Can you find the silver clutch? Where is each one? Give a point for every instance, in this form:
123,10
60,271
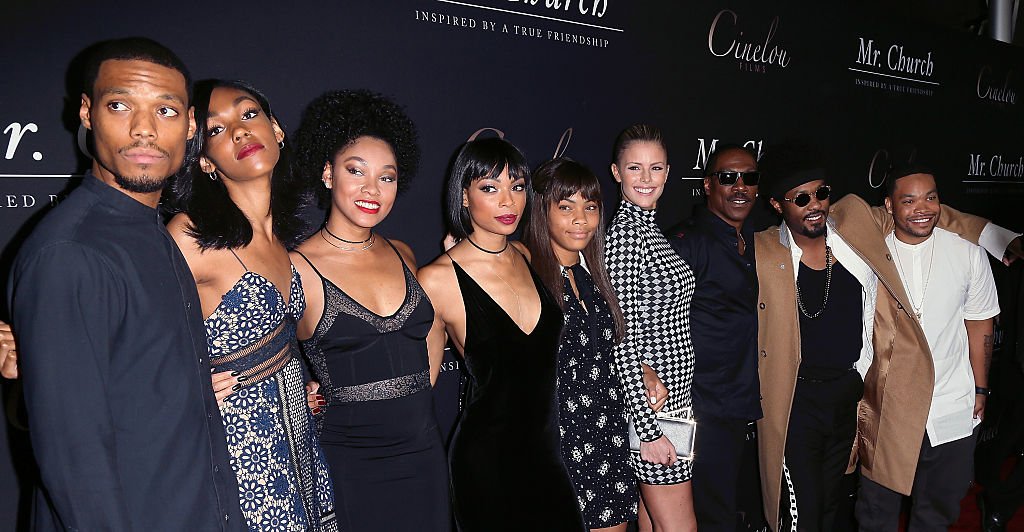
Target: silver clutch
678,425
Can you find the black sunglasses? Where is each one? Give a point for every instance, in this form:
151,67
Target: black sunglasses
728,178
803,199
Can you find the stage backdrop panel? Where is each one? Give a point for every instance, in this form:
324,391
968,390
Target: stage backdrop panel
552,76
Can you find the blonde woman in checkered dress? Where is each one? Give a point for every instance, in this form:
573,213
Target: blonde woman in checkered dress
654,287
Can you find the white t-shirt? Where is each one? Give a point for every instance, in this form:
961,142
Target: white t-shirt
948,280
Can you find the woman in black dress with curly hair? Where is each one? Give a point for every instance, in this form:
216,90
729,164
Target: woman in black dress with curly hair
367,321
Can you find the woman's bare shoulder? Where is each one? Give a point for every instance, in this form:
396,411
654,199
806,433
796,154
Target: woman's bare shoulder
521,247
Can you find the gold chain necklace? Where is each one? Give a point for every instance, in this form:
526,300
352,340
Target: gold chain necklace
519,308
828,284
918,309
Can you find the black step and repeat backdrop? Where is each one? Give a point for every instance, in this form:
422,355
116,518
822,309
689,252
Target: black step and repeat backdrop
552,76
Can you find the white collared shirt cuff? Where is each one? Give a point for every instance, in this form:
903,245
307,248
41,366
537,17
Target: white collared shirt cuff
995,239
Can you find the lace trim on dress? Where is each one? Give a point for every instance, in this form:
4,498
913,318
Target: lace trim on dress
384,389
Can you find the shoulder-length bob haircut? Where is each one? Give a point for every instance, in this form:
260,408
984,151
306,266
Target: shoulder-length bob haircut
554,181
216,222
481,159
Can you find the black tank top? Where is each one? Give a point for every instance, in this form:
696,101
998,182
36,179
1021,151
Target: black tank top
830,344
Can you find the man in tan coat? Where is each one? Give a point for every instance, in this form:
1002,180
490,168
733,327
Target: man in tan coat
897,393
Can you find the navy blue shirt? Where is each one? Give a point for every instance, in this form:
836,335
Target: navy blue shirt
123,420
723,316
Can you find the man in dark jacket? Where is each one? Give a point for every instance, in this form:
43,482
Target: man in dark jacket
123,421
718,244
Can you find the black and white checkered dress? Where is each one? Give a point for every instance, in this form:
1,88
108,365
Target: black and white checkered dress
655,287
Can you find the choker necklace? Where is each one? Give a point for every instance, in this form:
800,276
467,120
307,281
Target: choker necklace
499,252
366,243
828,283
348,241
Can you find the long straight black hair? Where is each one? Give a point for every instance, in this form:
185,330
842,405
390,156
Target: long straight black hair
216,222
554,181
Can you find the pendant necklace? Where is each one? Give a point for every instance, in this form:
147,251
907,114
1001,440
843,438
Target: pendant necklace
366,244
828,284
918,308
519,309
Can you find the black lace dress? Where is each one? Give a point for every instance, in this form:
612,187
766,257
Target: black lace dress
378,432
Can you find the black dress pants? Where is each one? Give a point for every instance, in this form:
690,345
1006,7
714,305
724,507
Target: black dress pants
822,426
717,460
944,474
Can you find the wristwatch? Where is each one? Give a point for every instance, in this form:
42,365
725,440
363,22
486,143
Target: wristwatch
978,390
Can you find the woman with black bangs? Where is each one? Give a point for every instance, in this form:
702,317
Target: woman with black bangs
506,466
368,322
237,218
566,237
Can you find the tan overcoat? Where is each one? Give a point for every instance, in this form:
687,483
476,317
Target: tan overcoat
898,386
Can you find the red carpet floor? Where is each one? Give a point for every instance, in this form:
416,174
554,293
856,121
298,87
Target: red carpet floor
970,516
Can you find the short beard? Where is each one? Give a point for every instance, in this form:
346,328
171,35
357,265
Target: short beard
813,232
143,184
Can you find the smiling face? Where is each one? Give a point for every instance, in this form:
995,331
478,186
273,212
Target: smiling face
808,220
140,119
731,203
363,179
571,224
495,204
914,205
241,140
641,171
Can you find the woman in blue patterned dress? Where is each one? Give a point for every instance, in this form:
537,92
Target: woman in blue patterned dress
237,219
655,288
566,241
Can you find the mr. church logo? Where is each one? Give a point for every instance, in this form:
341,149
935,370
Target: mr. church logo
751,44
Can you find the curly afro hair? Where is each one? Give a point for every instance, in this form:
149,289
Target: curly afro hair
335,119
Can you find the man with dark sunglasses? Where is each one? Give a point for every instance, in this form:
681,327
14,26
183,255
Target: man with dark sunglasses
821,295
718,245
826,278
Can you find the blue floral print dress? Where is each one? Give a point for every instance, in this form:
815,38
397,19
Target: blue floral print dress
283,481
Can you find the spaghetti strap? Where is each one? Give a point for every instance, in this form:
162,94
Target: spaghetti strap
310,264
523,255
238,259
400,258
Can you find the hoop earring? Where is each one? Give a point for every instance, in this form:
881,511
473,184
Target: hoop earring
280,145
213,175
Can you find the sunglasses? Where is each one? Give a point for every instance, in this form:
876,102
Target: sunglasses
803,199
728,178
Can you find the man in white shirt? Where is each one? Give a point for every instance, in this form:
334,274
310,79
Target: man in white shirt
821,274
949,285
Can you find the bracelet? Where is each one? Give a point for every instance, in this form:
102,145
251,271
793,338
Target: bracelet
978,390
